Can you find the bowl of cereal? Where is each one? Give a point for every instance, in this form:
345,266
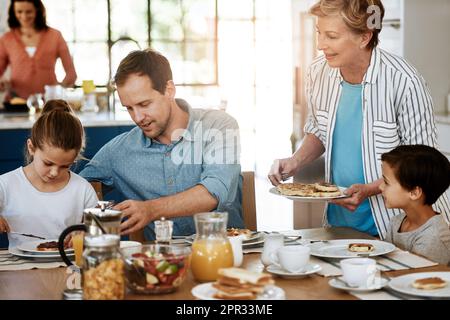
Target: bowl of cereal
155,268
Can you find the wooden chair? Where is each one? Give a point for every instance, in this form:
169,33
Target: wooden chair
248,200
248,203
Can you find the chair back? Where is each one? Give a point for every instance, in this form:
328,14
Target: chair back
248,200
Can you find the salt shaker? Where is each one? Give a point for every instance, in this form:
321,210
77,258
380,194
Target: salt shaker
163,230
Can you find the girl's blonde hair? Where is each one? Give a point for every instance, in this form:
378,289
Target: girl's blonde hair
59,127
355,13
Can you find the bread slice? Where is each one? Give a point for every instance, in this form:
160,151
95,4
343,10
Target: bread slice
431,283
242,276
234,296
236,289
361,247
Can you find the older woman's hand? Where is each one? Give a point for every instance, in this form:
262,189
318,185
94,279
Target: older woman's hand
358,193
283,169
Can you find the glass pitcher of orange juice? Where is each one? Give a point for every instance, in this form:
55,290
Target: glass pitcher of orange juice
211,249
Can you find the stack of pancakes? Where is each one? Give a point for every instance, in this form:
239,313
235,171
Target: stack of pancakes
240,284
322,189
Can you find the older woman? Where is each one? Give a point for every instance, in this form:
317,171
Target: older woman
363,102
31,48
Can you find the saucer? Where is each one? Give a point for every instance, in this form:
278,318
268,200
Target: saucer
309,269
339,283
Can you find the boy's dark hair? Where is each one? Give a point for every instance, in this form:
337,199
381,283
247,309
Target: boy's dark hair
145,62
420,166
40,22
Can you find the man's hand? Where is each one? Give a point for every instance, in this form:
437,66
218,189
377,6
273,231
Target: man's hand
4,226
282,169
358,193
138,213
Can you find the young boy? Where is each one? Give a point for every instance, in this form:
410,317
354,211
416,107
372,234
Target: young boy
414,178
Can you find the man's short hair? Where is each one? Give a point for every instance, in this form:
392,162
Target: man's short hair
420,166
145,62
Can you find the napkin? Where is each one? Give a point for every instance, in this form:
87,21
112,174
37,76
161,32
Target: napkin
396,260
9,262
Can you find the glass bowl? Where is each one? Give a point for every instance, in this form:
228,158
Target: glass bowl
155,268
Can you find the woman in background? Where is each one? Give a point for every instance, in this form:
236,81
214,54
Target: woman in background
31,49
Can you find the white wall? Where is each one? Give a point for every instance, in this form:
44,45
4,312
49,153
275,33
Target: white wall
427,44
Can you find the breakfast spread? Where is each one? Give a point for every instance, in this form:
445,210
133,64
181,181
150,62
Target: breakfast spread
361,247
240,284
319,190
431,283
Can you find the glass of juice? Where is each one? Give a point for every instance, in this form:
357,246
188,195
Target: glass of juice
77,244
211,249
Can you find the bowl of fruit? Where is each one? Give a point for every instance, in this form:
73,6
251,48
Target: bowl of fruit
155,268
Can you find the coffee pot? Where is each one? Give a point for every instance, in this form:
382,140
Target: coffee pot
96,221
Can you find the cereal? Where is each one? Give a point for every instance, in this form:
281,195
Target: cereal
105,282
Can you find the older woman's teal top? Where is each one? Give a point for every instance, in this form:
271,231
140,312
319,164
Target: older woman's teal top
346,160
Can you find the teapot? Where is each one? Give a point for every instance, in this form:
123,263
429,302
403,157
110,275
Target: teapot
96,221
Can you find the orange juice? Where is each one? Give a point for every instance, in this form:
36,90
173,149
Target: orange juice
208,256
77,243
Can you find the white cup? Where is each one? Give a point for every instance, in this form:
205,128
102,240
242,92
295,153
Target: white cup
236,246
272,242
293,259
359,272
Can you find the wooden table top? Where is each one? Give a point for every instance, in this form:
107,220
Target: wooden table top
49,284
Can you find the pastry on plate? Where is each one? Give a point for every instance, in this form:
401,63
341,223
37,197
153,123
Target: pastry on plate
361,247
431,283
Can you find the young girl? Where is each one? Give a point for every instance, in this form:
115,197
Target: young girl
45,197
415,176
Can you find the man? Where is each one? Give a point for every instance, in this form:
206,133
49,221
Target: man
178,161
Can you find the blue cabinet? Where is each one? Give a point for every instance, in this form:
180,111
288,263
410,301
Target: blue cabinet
12,152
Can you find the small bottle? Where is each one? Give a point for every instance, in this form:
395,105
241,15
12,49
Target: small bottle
163,231
103,268
90,97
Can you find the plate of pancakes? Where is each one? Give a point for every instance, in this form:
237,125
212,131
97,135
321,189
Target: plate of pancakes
310,192
423,284
350,248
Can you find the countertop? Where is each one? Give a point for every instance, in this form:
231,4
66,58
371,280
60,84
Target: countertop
443,118
10,121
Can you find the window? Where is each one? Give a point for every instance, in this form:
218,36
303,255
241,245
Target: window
101,33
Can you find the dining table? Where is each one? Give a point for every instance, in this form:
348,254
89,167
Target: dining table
49,284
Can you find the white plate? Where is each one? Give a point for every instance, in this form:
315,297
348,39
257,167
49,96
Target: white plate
256,238
339,248
342,285
19,253
206,291
310,269
31,247
274,190
404,283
